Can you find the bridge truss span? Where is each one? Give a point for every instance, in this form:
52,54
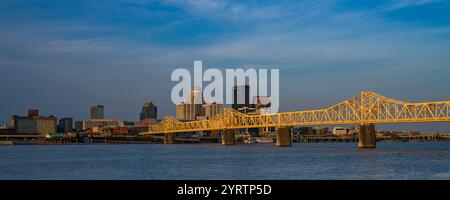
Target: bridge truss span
364,108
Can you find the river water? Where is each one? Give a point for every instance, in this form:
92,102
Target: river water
214,161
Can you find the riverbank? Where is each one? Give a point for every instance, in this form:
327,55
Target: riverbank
41,140
194,141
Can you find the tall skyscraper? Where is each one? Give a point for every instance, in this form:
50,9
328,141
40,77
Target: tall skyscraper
65,124
241,98
149,111
192,109
197,102
97,112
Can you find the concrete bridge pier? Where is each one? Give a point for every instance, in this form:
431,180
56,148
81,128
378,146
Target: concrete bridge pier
169,138
214,133
284,137
228,137
367,136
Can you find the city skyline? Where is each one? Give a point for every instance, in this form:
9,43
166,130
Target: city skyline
120,54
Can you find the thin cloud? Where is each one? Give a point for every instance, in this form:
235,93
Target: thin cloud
249,12
408,3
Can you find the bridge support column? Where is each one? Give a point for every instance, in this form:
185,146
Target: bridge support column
367,136
284,137
228,137
214,133
169,138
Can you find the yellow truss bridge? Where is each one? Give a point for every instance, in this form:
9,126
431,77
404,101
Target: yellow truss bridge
364,108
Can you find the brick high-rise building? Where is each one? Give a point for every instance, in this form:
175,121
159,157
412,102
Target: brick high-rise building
33,112
33,123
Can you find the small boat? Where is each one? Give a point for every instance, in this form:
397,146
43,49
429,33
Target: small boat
250,140
6,142
264,140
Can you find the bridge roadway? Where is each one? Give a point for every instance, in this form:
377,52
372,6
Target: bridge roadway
364,109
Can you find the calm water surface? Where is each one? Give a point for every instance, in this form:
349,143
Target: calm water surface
214,161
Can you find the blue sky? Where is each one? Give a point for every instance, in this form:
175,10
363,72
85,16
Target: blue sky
65,56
